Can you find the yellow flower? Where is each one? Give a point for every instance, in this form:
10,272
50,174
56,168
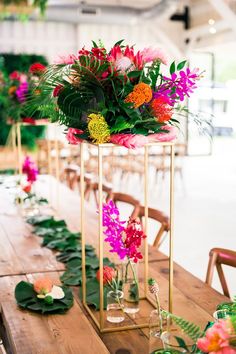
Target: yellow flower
98,129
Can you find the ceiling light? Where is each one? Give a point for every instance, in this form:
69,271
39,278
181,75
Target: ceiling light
212,30
211,21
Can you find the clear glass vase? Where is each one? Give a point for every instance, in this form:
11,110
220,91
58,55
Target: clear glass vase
131,287
155,330
171,343
115,306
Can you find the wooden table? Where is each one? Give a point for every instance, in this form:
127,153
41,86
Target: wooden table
22,258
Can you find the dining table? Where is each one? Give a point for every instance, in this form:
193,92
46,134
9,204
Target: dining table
22,257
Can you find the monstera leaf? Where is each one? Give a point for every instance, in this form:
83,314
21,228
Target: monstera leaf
27,298
92,294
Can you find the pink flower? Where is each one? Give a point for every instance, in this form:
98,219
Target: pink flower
216,340
125,59
130,141
66,59
164,137
72,139
15,75
37,68
150,54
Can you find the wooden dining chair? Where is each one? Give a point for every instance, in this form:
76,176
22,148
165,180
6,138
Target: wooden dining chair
217,258
92,187
127,199
71,175
161,218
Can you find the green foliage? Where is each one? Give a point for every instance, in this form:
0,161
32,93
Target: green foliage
27,298
190,329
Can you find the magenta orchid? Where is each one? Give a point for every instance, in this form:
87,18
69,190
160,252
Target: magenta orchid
30,169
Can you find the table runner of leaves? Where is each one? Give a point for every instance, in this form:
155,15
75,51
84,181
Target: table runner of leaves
58,237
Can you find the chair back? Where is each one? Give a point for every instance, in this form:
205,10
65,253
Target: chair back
217,257
161,218
127,199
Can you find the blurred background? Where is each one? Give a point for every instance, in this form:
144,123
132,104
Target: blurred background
203,32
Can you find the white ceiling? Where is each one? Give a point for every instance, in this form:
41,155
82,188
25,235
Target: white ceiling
137,4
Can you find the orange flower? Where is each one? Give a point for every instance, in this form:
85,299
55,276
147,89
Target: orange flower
142,93
43,286
108,274
12,90
27,188
161,109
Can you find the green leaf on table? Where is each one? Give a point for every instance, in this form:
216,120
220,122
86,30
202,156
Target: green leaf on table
92,294
27,298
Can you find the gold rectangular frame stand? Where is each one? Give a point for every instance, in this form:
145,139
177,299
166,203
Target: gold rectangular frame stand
100,323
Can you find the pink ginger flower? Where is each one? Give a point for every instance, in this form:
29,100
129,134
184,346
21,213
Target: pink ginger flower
72,138
150,54
216,340
164,137
130,141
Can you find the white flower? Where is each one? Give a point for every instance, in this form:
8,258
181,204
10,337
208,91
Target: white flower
123,64
56,293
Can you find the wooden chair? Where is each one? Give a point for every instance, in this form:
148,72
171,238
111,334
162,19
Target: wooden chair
71,175
92,187
161,218
127,199
217,257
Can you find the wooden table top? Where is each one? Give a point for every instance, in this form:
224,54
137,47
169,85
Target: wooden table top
23,258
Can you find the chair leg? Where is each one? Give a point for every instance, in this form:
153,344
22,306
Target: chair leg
222,279
210,268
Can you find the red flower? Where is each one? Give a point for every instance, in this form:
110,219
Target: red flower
134,236
37,68
29,120
99,53
57,90
108,274
15,75
27,188
161,109
83,52
71,136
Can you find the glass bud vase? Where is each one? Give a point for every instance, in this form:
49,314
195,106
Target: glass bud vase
131,287
115,306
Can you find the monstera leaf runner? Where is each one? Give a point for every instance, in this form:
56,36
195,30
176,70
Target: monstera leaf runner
27,298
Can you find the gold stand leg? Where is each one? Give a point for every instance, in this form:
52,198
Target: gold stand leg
171,245
100,180
14,148
19,148
146,220
82,229
57,170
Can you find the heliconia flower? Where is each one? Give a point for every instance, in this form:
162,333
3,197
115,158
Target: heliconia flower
109,274
130,141
161,109
151,54
37,68
57,90
98,129
216,340
71,136
27,188
15,75
164,137
43,286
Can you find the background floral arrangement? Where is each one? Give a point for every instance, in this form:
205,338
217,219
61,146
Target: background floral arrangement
119,96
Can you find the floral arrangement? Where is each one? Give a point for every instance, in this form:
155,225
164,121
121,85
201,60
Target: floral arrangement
125,239
17,89
19,7
218,337
43,296
118,96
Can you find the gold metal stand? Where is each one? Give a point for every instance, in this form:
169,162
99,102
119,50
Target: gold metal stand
100,323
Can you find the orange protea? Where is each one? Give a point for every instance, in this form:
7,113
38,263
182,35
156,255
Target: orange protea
43,286
109,274
161,109
142,93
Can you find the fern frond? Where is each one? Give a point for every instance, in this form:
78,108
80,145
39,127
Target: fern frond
190,329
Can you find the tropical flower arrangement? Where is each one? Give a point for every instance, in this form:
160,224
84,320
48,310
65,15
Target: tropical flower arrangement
118,96
125,239
19,7
16,90
43,296
217,338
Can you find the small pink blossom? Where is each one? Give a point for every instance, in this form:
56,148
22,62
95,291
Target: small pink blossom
164,137
72,138
150,54
130,141
66,59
